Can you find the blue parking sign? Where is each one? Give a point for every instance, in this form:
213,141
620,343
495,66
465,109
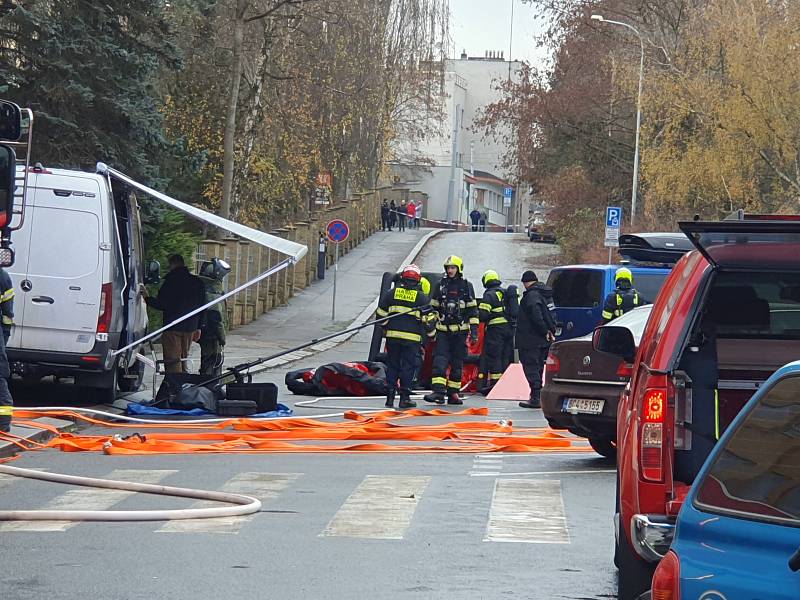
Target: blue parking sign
613,217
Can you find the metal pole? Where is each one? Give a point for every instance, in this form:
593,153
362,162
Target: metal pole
335,270
634,192
451,189
510,40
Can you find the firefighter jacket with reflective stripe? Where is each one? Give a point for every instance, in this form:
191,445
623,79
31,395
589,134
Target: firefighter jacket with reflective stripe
416,320
6,298
620,301
492,309
454,301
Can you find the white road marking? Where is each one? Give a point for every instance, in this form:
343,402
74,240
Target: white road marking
86,498
587,472
493,463
381,507
263,486
527,510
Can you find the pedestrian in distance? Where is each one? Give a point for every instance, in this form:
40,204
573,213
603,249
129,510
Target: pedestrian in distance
392,214
180,294
212,331
385,216
475,217
457,310
624,297
411,211
7,308
417,214
402,213
494,311
483,220
535,332
405,333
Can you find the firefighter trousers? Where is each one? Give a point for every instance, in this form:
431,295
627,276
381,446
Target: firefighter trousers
401,363
210,357
450,351
495,353
6,402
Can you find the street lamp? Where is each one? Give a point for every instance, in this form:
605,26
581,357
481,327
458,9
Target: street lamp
601,19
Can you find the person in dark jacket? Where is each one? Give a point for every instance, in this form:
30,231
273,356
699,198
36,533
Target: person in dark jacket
385,216
535,332
392,214
405,333
475,216
180,294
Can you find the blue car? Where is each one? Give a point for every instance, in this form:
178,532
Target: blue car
737,536
580,290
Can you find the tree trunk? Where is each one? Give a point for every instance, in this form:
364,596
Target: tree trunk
229,138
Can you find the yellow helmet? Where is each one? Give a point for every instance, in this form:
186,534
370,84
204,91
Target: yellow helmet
489,276
426,286
454,261
624,274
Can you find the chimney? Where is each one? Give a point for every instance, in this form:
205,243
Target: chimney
464,54
502,54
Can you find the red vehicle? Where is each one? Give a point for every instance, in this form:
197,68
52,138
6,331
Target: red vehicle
727,317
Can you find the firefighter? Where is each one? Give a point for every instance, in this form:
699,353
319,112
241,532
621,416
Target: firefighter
212,333
405,333
498,333
454,301
7,308
623,298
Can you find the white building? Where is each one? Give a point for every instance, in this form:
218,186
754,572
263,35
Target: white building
470,86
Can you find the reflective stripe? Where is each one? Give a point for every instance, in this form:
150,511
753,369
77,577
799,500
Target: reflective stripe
452,328
484,306
498,321
499,309
438,380
7,320
453,384
607,315
382,313
471,303
5,411
434,302
403,335
495,375
7,295
474,321
619,300
404,310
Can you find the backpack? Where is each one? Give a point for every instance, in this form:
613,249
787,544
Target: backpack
511,302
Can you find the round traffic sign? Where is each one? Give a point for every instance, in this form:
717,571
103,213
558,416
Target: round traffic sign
338,231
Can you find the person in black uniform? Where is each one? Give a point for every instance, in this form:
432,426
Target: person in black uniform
454,301
385,216
623,298
535,332
405,333
7,308
498,333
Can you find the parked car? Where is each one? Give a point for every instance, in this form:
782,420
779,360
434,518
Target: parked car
79,263
539,230
737,532
579,290
727,318
582,386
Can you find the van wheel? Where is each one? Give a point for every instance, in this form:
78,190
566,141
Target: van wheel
104,391
635,576
129,384
604,447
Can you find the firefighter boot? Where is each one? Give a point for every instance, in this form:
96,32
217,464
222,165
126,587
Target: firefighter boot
406,402
435,398
534,402
454,399
390,399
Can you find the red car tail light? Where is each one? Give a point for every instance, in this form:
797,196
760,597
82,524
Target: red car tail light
625,369
652,434
667,579
104,319
552,365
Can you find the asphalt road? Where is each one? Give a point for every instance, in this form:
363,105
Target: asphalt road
334,525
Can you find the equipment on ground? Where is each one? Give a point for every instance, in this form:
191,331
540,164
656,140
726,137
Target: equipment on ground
339,379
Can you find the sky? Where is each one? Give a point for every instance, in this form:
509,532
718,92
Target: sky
480,25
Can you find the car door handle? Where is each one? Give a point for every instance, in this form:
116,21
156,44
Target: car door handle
40,299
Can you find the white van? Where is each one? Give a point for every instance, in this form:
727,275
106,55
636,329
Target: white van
78,267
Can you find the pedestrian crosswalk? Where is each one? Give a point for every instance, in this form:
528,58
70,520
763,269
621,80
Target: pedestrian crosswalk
378,507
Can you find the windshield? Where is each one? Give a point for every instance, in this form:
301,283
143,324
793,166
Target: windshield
757,474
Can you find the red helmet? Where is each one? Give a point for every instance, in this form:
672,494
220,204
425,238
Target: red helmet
411,272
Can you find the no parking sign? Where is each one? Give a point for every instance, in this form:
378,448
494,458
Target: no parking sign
338,231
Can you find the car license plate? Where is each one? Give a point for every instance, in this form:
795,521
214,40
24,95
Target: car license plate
583,405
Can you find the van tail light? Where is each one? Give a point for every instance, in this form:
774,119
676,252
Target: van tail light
104,320
625,369
552,365
651,458
667,579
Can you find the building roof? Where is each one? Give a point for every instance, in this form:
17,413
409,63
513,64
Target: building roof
485,177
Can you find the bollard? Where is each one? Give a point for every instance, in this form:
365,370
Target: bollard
321,256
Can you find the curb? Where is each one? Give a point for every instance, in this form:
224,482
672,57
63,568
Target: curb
362,318
31,434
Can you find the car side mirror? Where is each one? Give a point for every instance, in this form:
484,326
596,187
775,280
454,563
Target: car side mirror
615,340
153,274
8,183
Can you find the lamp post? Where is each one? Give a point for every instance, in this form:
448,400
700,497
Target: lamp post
635,190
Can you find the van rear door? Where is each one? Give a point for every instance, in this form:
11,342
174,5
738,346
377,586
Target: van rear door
64,276
763,243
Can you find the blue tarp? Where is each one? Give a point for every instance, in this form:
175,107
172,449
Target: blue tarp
136,409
